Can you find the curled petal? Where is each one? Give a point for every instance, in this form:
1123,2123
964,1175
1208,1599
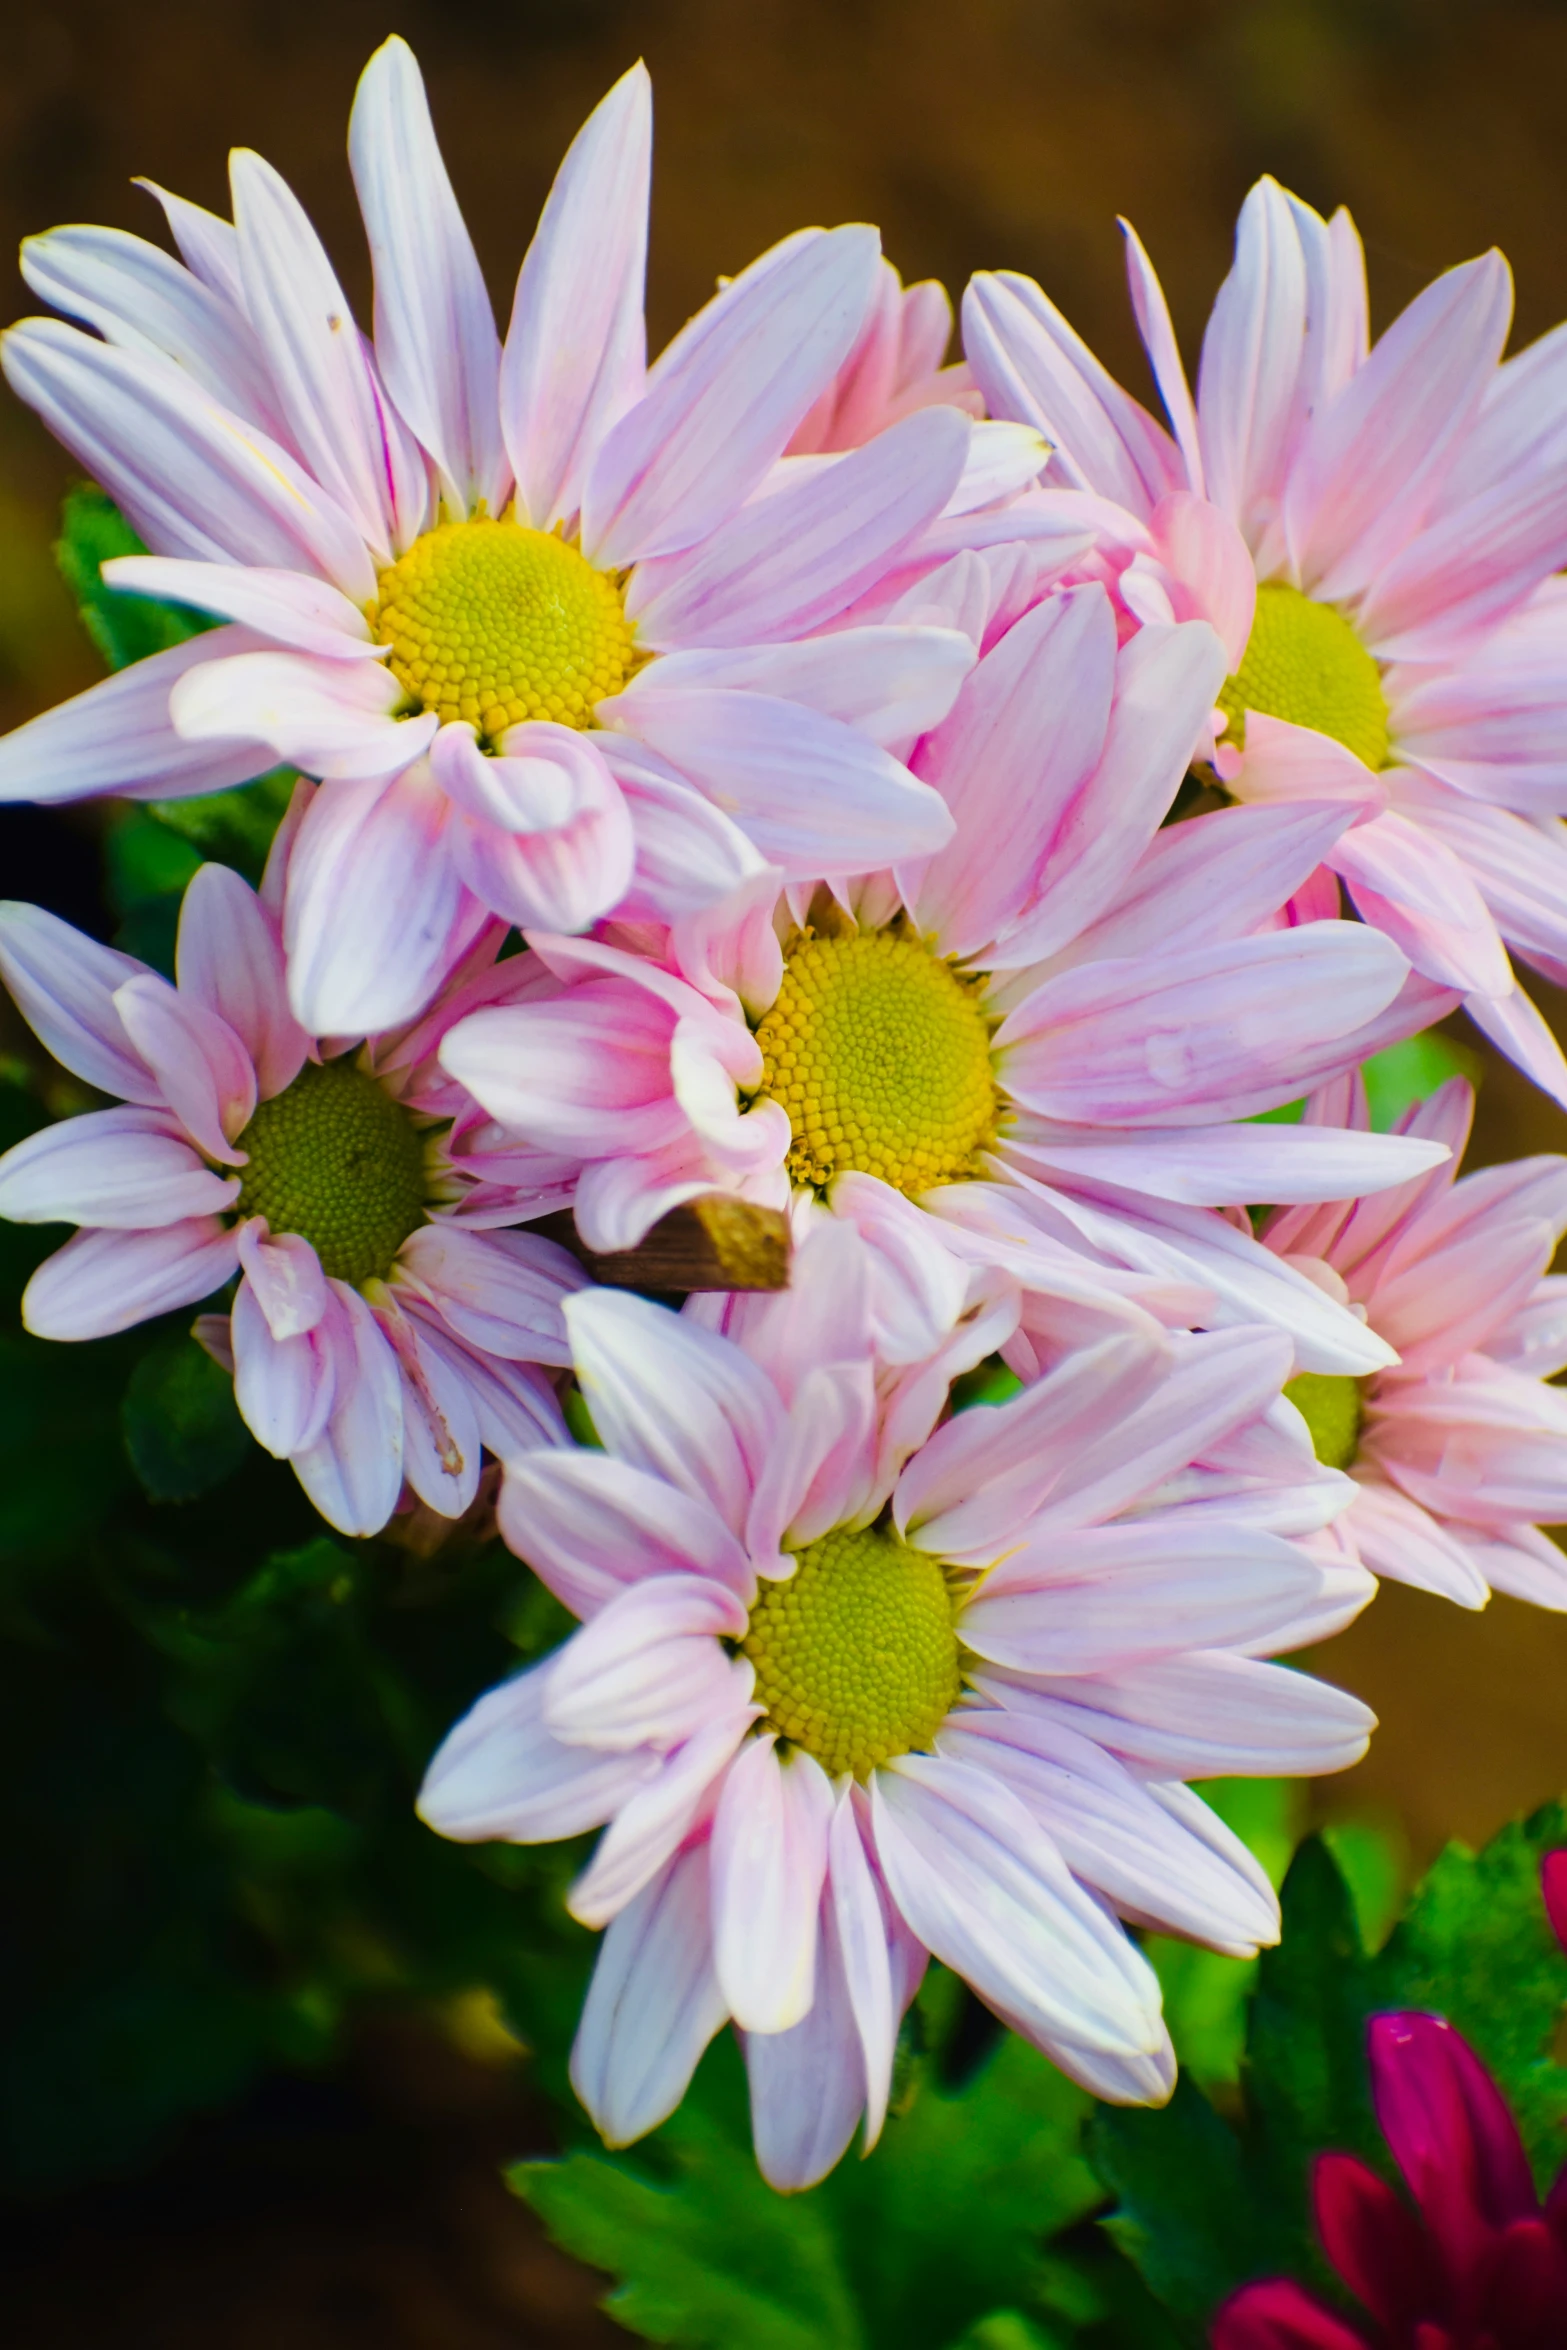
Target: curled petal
332,718
206,1076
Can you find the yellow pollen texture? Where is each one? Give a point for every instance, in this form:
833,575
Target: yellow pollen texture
336,1160
1305,663
1332,1408
494,623
881,1056
856,1657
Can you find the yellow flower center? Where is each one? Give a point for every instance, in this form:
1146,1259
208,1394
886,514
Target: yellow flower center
856,1657
880,1053
1304,662
336,1160
494,623
1331,1406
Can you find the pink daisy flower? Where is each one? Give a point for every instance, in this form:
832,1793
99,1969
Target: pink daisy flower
1066,995
375,1336
443,562
840,1710
1373,531
1459,1447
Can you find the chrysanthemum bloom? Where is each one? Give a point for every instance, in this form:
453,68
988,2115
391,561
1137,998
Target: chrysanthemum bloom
443,563
1065,994
1479,2264
1459,1447
372,1337
1374,533
831,1731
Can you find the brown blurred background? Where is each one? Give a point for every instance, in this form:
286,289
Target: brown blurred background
987,133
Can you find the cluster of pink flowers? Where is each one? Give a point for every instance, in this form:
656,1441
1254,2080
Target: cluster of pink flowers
761,777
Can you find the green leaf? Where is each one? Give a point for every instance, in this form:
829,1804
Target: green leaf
989,1382
182,1427
1190,2211
1008,2329
705,2258
232,827
939,2228
1476,1946
1372,1858
124,628
1406,1073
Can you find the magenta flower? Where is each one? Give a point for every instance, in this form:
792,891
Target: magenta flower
1374,532
1478,2264
1459,1448
379,1332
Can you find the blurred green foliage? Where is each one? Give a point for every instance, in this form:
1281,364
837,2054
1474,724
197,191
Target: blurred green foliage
213,1721
124,628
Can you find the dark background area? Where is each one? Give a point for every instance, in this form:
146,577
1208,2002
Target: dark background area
366,2208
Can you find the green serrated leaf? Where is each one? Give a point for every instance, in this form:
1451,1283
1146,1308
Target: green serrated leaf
941,2227
703,2260
1189,2211
124,628
1476,1946
182,1426
1305,2053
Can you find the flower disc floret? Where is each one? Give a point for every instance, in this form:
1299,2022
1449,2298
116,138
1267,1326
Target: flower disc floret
337,1160
1333,1409
1304,663
880,1053
856,1657
496,624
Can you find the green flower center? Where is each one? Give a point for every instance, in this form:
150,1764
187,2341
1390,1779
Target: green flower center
880,1053
856,1656
336,1160
1333,1410
494,623
1304,662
